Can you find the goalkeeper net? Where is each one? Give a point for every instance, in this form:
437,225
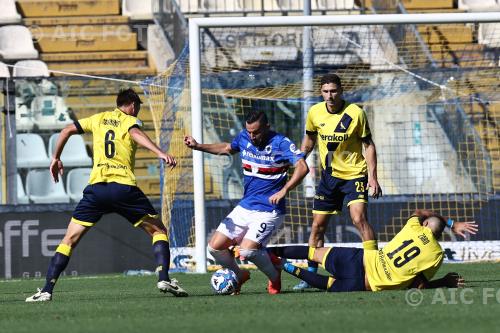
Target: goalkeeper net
430,91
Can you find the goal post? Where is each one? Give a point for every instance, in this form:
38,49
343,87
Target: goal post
433,142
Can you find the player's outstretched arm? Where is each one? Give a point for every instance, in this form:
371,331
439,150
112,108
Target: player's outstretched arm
56,166
371,161
141,138
301,170
464,228
450,280
211,148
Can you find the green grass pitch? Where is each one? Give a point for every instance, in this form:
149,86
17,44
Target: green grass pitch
132,304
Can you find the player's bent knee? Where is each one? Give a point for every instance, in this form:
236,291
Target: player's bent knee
248,253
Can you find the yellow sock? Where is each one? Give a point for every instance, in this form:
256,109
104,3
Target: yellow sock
310,254
370,245
64,249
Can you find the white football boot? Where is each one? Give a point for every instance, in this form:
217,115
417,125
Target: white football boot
171,287
40,296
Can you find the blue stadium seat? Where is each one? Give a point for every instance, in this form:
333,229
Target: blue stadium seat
22,198
9,14
41,189
50,112
74,152
16,43
76,182
31,151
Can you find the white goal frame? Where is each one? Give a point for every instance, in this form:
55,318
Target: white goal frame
195,24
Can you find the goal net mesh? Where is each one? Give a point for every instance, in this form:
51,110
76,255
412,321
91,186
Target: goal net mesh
431,94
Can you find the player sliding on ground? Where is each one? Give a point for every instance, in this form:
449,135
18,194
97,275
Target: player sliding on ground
409,260
112,188
266,157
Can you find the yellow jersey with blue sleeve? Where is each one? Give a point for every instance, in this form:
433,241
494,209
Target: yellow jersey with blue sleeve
412,251
339,139
114,148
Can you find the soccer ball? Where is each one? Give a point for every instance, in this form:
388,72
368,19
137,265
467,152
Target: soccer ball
224,281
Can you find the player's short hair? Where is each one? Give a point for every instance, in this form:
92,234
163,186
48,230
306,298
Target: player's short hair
438,223
253,116
126,97
331,78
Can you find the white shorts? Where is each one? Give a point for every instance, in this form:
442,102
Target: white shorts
253,225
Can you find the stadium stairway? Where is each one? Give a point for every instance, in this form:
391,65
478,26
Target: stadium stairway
87,37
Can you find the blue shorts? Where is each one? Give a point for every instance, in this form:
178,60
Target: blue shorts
332,191
104,198
345,264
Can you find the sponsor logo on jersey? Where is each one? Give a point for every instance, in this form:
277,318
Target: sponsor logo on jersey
245,153
334,137
111,122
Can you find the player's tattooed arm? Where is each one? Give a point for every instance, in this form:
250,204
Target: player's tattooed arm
371,160
211,148
308,142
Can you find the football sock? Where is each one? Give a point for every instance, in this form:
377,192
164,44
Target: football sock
57,264
370,245
291,252
263,262
226,260
162,256
313,279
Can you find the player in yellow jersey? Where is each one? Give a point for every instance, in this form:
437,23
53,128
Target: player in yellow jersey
341,130
410,259
112,188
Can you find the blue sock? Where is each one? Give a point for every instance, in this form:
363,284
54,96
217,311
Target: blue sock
312,266
313,279
162,256
57,265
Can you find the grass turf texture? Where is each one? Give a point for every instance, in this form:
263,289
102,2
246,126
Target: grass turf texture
133,304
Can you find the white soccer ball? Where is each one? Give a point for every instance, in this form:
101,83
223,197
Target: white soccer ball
224,281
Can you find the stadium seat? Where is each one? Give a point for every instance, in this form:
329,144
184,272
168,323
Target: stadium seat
286,5
24,120
50,112
74,152
22,198
479,5
4,70
332,5
41,189
31,151
489,34
138,10
76,182
9,14
221,6
16,43
30,68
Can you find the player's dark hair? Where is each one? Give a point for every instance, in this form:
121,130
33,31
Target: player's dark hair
126,97
424,214
253,116
331,78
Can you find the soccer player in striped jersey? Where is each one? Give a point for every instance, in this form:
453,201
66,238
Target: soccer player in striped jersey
410,259
341,130
112,188
266,157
